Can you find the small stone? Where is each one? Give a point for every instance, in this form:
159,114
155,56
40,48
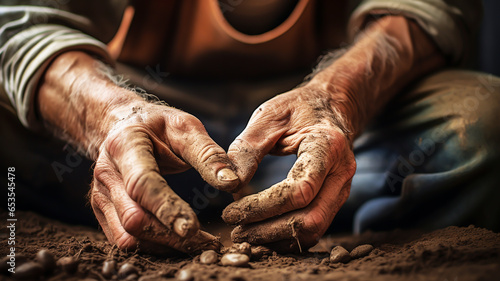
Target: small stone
361,251
241,248
339,254
209,257
46,259
30,270
235,259
108,268
68,264
127,269
185,274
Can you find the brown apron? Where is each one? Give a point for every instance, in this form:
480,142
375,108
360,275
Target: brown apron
194,38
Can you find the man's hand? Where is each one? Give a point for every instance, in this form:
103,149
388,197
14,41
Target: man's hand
295,212
134,143
319,121
131,199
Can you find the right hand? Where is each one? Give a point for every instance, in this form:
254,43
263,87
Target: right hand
132,201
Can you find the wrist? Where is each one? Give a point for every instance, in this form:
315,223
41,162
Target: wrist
343,110
80,104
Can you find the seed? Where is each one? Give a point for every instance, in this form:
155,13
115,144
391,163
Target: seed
209,257
361,251
126,269
241,248
46,259
339,254
185,274
109,268
68,264
235,259
30,270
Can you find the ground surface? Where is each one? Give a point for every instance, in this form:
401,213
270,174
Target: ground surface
452,254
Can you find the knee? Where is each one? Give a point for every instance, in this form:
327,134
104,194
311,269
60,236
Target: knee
474,108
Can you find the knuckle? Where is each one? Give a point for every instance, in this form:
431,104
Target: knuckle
138,182
125,242
185,122
303,193
211,153
351,167
315,224
102,172
98,200
132,220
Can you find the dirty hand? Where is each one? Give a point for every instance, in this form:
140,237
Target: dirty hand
133,143
294,213
131,199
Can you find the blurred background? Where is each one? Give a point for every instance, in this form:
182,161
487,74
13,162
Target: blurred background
489,38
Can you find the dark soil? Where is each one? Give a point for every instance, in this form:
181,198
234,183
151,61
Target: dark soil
452,254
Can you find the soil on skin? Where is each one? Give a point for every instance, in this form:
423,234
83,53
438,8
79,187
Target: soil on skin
453,254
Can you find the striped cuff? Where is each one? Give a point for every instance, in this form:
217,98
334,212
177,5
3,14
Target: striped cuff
26,56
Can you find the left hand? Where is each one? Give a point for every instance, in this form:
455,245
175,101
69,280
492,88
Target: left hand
294,213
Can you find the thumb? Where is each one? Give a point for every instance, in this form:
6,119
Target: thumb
207,157
249,148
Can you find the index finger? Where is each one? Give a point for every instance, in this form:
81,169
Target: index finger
132,154
315,160
256,141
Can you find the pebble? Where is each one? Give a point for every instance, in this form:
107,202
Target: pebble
209,257
339,254
68,264
361,251
241,248
235,259
108,268
127,269
30,270
46,259
185,275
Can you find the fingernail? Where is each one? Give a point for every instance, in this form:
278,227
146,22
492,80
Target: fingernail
226,174
181,226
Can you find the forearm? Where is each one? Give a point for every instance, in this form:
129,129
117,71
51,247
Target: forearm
390,53
79,103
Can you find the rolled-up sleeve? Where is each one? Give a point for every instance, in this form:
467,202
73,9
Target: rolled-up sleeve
32,35
452,24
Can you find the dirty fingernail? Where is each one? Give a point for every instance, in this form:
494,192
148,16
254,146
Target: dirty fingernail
181,226
226,174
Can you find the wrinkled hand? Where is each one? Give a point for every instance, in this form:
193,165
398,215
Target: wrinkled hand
132,201
294,213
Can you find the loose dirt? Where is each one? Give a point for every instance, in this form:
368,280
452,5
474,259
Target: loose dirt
450,254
